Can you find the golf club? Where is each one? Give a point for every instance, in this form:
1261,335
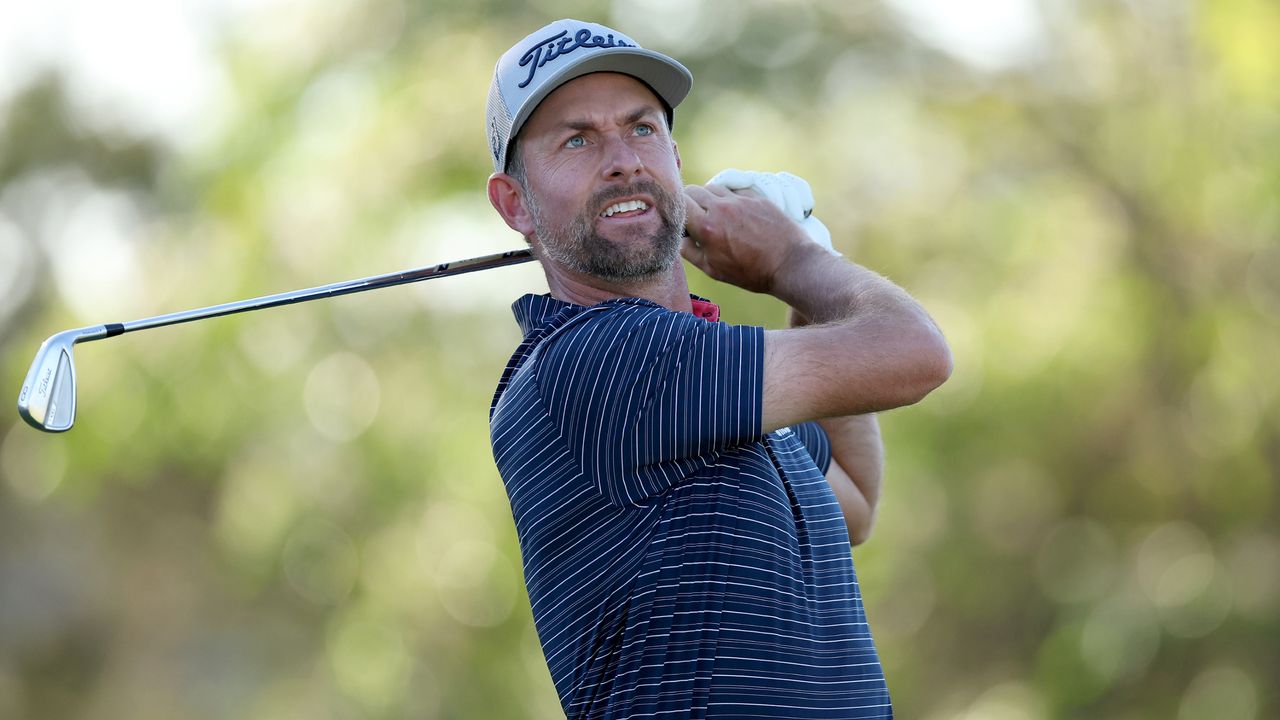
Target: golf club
48,398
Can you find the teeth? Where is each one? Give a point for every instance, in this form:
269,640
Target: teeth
624,207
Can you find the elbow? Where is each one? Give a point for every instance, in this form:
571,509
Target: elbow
860,524
859,533
939,363
932,362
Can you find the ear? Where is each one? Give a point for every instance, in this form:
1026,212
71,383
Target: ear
675,148
507,197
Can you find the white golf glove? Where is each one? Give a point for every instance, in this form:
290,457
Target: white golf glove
789,193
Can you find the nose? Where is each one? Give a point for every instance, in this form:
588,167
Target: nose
622,162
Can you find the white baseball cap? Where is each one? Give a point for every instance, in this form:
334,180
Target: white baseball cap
566,49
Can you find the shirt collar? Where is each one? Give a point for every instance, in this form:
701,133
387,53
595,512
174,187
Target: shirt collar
532,310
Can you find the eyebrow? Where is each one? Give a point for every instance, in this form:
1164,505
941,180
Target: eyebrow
635,116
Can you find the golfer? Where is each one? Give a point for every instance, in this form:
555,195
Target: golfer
685,490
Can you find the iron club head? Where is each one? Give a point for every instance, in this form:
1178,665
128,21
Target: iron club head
48,398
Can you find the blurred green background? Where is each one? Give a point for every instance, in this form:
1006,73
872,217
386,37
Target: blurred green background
295,513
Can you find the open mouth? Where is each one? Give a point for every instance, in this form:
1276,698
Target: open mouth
625,209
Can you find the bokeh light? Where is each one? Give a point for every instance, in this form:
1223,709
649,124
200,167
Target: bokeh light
1222,693
342,396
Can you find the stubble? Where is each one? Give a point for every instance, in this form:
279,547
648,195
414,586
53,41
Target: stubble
579,247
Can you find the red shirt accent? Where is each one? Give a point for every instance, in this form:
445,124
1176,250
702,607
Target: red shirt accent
705,309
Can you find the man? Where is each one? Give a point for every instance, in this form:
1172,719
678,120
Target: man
684,526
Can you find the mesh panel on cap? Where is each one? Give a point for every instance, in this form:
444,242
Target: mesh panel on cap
499,129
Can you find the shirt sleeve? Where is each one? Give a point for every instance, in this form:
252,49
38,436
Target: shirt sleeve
815,440
644,396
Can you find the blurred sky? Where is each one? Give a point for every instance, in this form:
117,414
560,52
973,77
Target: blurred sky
140,64
151,65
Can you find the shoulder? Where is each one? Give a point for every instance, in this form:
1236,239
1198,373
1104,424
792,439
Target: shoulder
618,324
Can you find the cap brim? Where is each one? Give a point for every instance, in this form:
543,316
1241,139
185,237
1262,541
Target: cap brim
668,79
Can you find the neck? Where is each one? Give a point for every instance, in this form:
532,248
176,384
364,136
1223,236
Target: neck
669,289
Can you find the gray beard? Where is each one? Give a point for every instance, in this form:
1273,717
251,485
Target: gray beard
578,247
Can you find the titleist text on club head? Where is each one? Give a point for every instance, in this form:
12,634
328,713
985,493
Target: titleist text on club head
48,398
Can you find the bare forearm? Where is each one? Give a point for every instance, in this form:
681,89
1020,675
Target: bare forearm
873,347
824,289
858,453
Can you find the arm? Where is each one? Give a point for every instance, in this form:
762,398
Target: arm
857,470
871,346
856,473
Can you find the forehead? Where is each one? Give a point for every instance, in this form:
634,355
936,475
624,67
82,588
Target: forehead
598,97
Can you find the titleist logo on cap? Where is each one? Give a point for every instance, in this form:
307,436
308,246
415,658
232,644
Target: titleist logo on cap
581,48
546,50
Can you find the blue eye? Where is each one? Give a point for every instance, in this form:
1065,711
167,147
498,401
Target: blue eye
644,129
576,141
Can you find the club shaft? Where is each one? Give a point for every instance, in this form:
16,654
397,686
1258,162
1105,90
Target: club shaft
486,262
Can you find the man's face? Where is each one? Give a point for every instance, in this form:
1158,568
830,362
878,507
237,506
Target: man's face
603,179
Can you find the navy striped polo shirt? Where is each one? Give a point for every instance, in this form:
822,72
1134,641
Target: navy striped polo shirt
680,563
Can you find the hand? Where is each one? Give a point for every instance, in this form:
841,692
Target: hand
789,193
740,239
